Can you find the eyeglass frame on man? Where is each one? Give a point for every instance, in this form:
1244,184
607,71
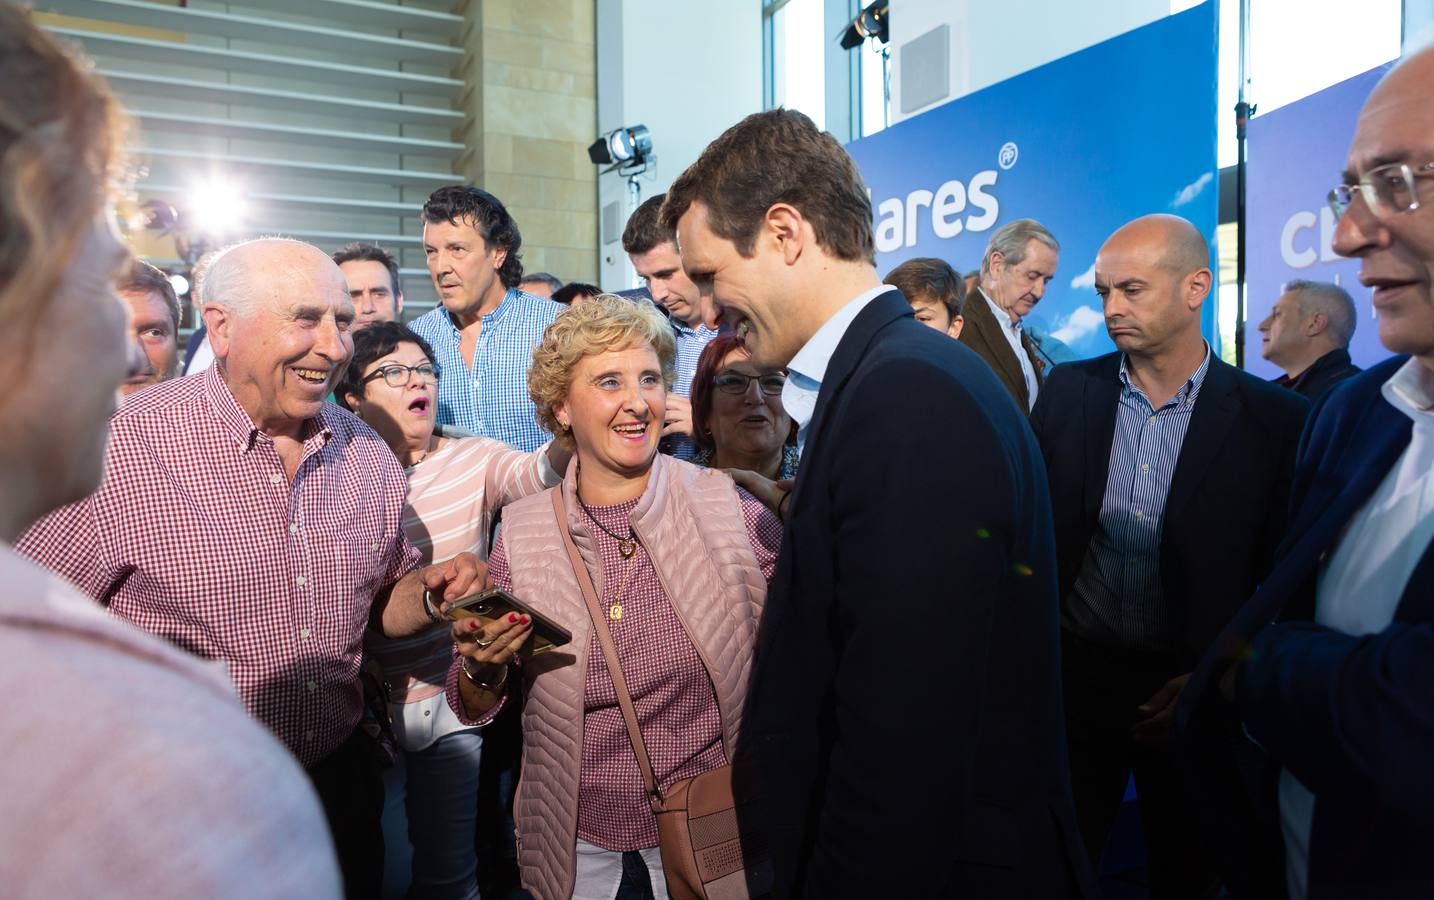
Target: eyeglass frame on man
408,373
1367,189
747,383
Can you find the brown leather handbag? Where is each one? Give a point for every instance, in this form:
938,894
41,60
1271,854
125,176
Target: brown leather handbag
697,825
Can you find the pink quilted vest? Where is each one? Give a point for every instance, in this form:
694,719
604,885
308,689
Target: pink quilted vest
691,522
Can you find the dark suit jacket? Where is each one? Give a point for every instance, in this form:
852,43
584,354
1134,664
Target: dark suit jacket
982,333
1351,717
1326,372
1226,509
192,346
903,725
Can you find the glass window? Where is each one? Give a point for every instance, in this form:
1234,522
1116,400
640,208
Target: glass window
875,75
798,58
1298,47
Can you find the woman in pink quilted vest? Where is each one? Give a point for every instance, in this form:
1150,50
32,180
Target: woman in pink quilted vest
680,557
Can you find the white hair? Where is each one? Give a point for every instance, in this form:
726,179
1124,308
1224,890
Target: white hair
1012,239
198,274
1334,301
225,278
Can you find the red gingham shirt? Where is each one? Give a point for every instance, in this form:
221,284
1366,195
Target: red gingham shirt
197,536
671,690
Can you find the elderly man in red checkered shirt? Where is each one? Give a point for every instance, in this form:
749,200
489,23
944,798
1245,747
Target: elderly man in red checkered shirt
247,520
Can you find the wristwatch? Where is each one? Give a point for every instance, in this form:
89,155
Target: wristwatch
433,614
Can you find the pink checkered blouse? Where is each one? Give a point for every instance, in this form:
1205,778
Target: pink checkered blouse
671,690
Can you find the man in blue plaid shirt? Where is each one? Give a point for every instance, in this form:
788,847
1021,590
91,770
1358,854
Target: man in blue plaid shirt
653,251
484,329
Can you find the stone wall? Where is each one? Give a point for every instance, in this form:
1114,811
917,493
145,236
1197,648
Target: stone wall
532,105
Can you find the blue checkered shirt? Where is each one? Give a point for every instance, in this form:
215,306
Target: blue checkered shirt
491,398
1117,598
690,342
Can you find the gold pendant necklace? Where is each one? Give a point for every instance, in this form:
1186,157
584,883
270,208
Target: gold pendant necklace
614,610
626,546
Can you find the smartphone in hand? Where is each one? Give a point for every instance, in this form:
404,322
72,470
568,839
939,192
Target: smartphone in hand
492,604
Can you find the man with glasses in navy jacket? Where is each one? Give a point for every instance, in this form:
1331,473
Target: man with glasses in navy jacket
1330,667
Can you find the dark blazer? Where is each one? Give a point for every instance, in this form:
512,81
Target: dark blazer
192,346
982,333
903,726
1226,509
1323,374
1351,717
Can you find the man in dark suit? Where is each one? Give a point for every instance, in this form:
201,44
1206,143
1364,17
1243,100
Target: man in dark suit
1020,260
1338,690
1170,475
1307,334
191,347
903,726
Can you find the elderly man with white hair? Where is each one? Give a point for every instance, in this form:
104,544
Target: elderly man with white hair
245,519
1019,263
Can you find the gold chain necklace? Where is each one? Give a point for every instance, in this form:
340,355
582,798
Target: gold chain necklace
614,609
627,547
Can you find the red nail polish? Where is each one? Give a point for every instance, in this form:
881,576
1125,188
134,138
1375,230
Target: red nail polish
472,624
525,620
512,617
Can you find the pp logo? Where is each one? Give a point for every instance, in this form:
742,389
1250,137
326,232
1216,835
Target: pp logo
1008,156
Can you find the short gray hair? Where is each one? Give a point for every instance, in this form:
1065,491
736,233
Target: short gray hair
1012,239
552,281
1326,297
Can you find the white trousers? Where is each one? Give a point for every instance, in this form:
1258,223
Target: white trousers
600,872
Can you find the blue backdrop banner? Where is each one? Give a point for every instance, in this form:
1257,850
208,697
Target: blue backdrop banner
1083,144
1296,154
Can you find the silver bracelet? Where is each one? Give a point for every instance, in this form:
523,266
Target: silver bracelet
491,688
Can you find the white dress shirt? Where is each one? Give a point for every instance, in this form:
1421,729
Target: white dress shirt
1361,584
807,369
1012,332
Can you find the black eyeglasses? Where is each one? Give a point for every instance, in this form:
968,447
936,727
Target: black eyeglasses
736,383
397,376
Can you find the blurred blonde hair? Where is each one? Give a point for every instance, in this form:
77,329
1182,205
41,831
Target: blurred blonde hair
61,161
602,323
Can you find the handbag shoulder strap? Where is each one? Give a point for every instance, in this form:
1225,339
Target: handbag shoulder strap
609,649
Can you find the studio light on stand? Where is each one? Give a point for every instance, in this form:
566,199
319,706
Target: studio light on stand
873,22
873,25
214,209
1243,111
161,219
627,151
210,215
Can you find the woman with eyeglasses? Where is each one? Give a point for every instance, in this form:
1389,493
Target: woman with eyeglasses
737,415
456,485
